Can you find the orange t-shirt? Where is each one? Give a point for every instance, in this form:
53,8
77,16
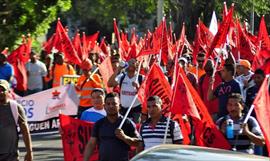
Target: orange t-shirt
85,88
59,71
193,70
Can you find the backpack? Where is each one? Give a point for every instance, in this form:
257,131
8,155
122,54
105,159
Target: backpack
140,79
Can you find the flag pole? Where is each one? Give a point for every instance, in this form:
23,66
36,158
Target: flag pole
167,127
134,99
215,68
247,117
129,108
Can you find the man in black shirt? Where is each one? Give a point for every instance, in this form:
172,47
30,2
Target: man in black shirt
113,143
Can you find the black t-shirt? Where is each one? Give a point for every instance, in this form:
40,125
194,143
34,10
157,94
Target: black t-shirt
110,147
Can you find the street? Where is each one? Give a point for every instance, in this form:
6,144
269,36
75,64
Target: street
45,148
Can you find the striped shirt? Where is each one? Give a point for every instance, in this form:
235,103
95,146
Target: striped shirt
152,136
241,142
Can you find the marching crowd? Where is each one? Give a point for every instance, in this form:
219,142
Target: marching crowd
227,93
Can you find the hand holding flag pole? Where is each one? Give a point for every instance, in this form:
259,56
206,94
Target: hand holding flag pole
247,117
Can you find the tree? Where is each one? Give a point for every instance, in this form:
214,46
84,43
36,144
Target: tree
189,11
22,17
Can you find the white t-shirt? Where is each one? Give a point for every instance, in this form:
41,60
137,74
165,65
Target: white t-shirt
36,72
127,91
241,80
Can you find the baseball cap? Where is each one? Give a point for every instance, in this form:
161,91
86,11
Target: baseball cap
4,84
244,63
183,59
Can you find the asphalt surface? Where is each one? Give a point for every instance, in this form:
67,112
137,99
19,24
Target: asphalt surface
45,148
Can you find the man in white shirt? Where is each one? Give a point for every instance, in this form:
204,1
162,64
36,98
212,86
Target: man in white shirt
244,76
129,85
36,72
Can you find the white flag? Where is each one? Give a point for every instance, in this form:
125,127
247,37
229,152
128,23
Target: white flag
213,28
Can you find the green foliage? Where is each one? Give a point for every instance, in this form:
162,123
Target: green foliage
19,17
103,11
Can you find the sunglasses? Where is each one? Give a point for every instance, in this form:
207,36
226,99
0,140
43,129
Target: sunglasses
200,60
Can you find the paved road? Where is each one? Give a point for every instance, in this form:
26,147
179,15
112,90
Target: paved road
46,148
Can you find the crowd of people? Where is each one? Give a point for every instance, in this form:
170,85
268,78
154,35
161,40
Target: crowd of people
228,94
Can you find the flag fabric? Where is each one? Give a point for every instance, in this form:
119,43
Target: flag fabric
48,45
155,83
75,135
62,43
106,71
104,47
182,101
224,11
20,75
213,28
244,45
262,110
5,51
77,45
263,51
91,40
221,35
116,32
161,40
206,132
85,47
18,58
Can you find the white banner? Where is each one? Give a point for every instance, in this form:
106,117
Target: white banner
49,103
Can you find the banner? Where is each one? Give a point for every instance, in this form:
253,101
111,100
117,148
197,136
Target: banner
48,104
67,79
75,135
42,108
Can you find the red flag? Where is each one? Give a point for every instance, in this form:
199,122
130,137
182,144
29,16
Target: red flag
185,128
196,47
91,40
155,83
5,51
103,47
116,31
64,44
182,101
162,40
106,71
181,41
206,132
263,51
245,46
206,36
225,11
20,75
125,44
261,106
75,136
48,45
266,67
77,44
85,49
221,35
133,39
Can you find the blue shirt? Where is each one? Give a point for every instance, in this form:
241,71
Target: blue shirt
93,115
6,71
222,92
